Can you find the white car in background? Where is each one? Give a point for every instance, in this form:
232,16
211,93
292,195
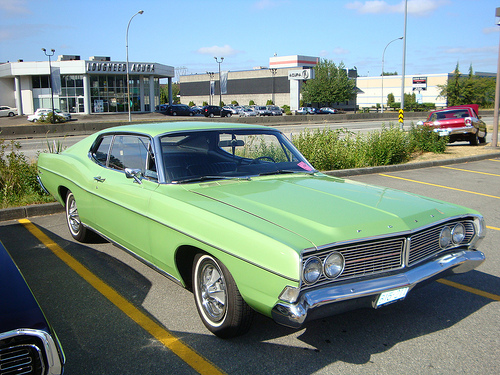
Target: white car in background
8,111
45,111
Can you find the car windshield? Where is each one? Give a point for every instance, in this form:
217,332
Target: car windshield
449,115
229,154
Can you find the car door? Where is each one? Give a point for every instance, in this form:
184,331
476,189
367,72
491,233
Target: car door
121,201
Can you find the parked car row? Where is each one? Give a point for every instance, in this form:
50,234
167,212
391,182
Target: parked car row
316,111
43,113
255,110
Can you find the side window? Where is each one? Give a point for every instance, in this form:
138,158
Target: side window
101,154
131,151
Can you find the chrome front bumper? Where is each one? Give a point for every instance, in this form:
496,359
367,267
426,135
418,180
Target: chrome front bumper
336,299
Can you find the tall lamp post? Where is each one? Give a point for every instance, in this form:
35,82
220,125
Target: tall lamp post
494,139
220,86
128,78
211,90
50,79
273,72
383,54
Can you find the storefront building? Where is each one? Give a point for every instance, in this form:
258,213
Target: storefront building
89,86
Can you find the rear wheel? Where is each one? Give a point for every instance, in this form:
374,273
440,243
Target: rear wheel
474,139
218,301
78,231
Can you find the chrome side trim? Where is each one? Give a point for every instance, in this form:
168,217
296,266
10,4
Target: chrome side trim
51,349
294,315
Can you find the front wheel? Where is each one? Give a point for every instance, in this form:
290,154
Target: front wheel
218,301
78,231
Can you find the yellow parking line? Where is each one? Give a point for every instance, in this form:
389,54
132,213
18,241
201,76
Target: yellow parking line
188,355
469,289
441,186
494,228
466,170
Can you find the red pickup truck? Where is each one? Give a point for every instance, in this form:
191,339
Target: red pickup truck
459,123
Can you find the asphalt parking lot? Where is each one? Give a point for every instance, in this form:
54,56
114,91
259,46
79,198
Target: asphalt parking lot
131,320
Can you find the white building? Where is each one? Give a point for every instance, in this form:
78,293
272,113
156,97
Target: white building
82,86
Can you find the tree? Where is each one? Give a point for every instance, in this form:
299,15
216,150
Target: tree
469,89
330,84
390,100
175,93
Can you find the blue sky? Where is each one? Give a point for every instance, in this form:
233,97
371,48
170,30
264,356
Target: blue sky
188,34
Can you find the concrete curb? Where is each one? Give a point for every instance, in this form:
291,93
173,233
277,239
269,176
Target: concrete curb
16,213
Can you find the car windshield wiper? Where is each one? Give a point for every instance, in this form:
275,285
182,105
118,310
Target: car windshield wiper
206,178
284,171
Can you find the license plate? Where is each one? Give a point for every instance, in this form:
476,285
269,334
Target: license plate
391,296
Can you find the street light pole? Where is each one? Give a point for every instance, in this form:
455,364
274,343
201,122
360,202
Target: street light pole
50,79
273,72
494,139
220,86
382,101
128,78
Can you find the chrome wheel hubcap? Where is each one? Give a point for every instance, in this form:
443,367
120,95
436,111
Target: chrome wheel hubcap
212,292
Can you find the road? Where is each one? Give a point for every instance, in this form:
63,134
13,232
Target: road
439,329
31,147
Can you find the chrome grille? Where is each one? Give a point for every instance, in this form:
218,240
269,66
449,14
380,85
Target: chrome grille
426,243
388,254
366,258
20,360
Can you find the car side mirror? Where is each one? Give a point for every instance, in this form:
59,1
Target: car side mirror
136,174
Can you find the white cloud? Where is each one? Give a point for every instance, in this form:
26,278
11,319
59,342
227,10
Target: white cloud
14,7
491,30
415,7
268,4
340,51
471,51
218,51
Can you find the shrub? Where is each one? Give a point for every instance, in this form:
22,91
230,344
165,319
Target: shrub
423,139
18,178
251,102
269,102
48,118
191,104
329,149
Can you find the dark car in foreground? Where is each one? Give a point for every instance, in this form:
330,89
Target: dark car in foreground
28,344
237,215
459,123
214,110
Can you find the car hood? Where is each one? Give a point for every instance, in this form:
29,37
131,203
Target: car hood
320,208
18,307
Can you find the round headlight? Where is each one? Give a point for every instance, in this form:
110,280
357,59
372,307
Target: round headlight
445,237
334,265
312,270
458,234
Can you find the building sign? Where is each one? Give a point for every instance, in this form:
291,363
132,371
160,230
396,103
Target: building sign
101,67
301,74
419,83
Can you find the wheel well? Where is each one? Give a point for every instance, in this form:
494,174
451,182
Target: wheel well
63,193
184,258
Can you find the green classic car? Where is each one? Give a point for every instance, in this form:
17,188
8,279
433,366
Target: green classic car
238,216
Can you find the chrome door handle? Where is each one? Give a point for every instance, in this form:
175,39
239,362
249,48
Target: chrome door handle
99,179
